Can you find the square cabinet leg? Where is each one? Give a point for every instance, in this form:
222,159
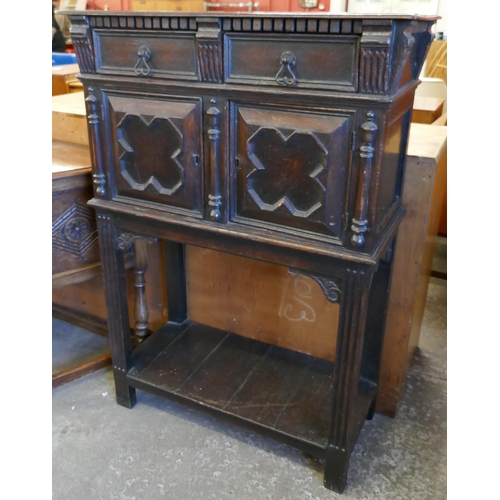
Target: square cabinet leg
125,395
113,267
337,464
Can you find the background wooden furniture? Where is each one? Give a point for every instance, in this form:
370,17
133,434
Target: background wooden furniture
427,109
62,78
434,85
77,283
424,188
75,252
436,65
69,119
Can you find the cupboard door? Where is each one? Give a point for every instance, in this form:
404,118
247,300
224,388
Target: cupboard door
158,148
291,169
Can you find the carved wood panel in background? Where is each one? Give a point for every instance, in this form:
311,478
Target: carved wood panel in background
74,231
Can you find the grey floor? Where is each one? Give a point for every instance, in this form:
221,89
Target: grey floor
162,450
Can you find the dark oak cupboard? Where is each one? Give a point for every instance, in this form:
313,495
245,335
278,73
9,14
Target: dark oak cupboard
279,137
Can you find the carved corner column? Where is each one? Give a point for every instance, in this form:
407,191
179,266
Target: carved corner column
354,305
95,144
113,267
215,197
360,221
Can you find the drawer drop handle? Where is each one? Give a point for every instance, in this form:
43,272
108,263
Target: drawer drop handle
288,61
145,55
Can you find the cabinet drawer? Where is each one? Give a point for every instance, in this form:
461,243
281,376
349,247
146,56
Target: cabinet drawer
291,169
157,148
325,63
164,55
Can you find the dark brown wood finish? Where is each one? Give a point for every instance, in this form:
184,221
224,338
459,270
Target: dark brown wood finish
277,137
112,257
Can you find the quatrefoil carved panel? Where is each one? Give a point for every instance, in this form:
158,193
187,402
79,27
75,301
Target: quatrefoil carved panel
286,171
150,153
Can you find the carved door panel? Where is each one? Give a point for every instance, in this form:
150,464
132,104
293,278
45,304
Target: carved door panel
158,150
291,169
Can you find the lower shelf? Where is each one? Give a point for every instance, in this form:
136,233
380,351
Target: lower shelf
280,393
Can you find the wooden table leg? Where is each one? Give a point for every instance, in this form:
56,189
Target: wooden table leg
112,258
354,305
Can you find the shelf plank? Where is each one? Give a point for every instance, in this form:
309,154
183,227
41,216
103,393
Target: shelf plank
239,356
172,367
281,393
308,414
270,387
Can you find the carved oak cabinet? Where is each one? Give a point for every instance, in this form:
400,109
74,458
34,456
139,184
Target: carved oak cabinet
279,137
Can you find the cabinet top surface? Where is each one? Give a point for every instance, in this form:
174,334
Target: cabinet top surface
327,15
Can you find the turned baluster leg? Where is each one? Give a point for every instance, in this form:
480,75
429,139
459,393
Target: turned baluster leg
354,305
141,311
112,258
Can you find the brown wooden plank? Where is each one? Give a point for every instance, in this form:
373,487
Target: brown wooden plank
270,387
276,388
308,414
79,371
182,358
262,301
427,109
61,76
76,275
69,118
223,373
425,169
67,156
86,321
155,344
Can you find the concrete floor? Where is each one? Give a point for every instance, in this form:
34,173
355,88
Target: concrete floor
162,450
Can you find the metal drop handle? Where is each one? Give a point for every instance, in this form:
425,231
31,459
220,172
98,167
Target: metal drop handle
141,68
285,75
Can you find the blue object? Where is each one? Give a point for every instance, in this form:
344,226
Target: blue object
59,58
